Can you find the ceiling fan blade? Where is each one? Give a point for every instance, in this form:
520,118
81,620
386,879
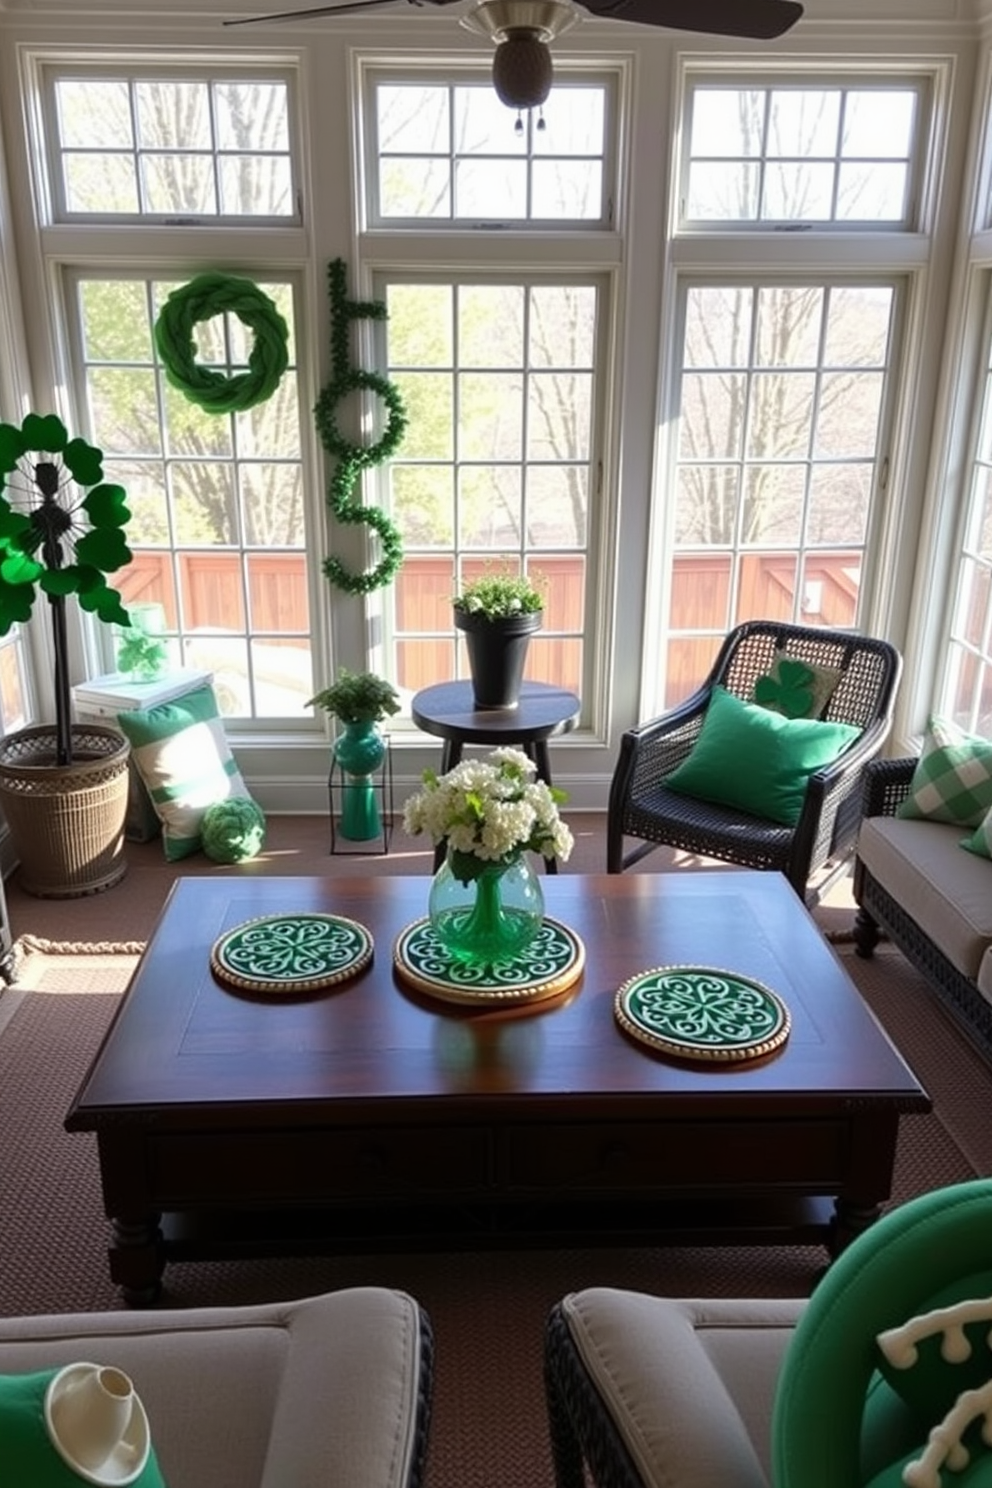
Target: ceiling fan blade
322,10
759,19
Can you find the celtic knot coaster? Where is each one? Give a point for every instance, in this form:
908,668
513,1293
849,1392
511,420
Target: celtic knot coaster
291,952
552,962
702,1013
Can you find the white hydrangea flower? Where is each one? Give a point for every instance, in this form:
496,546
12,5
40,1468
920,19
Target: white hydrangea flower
492,808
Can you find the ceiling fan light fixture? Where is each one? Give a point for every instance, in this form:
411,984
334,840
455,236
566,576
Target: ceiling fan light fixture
521,29
522,70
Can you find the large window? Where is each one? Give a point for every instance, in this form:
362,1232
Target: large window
218,523
219,520
502,361
499,379
782,391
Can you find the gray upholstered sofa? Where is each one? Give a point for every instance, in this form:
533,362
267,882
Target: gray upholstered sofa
652,1391
913,880
328,1392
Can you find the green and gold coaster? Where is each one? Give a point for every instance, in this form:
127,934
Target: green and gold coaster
291,952
550,964
702,1013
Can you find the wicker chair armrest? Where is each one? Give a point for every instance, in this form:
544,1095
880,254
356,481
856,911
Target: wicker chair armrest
691,710
653,749
886,785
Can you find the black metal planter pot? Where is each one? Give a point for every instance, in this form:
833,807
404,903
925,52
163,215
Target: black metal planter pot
497,653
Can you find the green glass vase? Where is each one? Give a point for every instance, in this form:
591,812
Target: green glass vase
485,913
359,749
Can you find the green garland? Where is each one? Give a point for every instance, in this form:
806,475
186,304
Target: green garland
354,458
213,294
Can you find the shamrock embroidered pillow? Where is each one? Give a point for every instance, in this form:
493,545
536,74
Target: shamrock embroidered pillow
952,781
796,688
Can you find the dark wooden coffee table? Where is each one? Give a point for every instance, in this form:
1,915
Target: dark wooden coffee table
368,1116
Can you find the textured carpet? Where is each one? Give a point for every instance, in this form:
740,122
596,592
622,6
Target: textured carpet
488,1308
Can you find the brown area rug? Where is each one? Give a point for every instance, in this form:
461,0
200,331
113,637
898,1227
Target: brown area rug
488,1308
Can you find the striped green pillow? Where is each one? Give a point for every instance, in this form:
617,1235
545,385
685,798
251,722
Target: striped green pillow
952,781
181,752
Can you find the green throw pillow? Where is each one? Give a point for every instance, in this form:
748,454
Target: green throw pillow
759,761
980,841
952,781
181,752
799,689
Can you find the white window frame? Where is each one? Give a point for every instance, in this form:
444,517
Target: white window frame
792,77
149,248
568,72
756,250
529,247
52,71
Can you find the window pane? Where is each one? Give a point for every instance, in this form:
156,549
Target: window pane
727,122
94,114
879,124
412,119
100,183
490,188
252,116
172,185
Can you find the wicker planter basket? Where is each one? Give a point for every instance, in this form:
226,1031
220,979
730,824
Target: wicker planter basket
66,821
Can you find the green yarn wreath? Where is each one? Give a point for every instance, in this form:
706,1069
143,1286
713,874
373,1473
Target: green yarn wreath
203,297
354,458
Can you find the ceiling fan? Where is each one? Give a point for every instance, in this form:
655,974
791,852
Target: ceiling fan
522,30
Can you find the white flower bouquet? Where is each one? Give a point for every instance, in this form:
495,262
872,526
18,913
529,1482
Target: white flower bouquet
489,811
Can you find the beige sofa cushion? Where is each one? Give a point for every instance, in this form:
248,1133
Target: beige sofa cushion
320,1393
946,890
713,1364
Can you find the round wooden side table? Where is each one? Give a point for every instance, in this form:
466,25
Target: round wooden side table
447,710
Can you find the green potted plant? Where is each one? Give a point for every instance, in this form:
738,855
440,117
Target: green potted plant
498,612
360,701
63,786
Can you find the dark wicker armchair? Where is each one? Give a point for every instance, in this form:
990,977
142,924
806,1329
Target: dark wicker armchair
641,807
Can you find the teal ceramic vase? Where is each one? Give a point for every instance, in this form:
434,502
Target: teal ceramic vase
485,913
359,750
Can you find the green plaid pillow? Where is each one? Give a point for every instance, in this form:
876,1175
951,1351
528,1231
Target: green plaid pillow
952,781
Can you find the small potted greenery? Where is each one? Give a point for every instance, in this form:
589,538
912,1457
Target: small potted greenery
498,613
360,701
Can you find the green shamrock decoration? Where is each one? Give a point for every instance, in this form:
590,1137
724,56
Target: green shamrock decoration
791,692
58,541
40,524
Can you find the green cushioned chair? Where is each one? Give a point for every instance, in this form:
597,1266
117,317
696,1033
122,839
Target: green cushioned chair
787,688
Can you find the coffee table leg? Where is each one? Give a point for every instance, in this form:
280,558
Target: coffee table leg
850,1220
136,1258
